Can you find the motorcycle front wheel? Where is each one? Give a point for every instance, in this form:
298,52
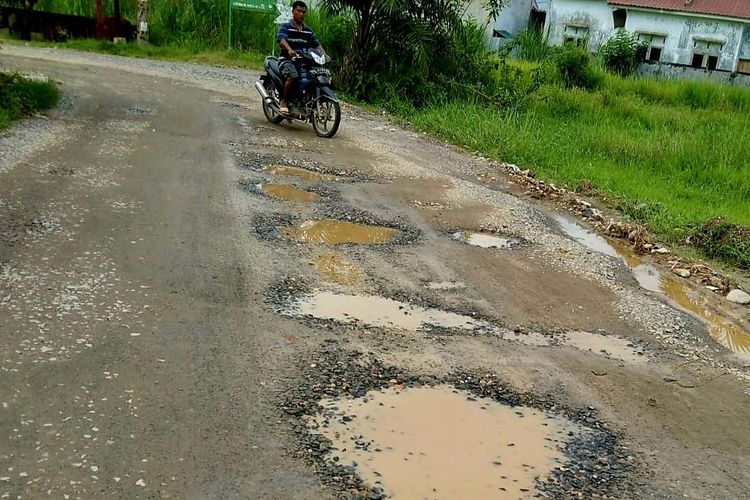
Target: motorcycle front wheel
271,112
326,117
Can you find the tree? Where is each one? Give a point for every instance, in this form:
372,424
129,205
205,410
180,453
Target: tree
407,37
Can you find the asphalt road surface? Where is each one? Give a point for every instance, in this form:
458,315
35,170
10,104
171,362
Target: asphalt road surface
165,296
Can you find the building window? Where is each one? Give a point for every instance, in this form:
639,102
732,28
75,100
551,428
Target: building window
575,35
620,17
706,54
655,45
744,66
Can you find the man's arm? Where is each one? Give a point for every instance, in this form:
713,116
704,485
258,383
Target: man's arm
292,53
316,44
281,38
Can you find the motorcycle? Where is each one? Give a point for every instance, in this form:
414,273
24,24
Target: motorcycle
313,101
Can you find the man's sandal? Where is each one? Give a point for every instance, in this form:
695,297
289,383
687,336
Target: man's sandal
284,110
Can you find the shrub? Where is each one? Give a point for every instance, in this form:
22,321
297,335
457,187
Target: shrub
529,45
574,64
720,239
621,53
19,96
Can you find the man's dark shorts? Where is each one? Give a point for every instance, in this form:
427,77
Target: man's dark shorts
288,69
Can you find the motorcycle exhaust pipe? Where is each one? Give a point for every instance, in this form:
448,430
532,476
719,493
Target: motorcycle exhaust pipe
262,91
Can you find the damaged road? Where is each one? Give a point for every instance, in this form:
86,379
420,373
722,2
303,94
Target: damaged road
195,303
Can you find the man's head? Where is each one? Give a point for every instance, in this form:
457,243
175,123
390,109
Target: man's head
299,9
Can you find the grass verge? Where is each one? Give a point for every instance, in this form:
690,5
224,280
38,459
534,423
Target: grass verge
666,154
186,52
20,96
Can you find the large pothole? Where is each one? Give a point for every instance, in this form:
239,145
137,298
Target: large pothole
439,442
486,240
336,269
372,430
299,173
381,312
376,311
337,232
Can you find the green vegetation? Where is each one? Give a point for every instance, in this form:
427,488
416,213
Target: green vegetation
20,96
621,53
189,52
666,154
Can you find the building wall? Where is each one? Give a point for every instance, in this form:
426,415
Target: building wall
514,17
595,14
681,32
476,11
687,73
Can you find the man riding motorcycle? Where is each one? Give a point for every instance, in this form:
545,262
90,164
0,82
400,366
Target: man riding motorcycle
294,38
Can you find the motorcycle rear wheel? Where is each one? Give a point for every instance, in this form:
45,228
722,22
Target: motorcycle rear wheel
326,117
271,112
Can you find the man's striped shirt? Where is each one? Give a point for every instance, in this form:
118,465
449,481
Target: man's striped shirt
300,40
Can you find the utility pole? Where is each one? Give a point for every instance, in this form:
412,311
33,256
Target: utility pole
142,22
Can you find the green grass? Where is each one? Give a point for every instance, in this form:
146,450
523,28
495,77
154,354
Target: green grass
20,96
188,52
668,154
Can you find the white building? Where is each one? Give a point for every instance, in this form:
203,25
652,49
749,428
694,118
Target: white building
515,16
702,34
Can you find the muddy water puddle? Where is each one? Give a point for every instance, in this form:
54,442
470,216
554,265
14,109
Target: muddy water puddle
300,173
336,269
585,237
723,326
607,345
648,276
485,240
441,443
288,193
725,329
336,232
376,311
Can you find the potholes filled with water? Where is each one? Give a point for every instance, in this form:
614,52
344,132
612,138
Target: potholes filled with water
381,312
335,269
485,240
606,345
288,193
372,429
375,311
299,173
585,237
437,442
336,232
722,326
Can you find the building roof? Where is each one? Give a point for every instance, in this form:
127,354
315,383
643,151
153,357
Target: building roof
725,8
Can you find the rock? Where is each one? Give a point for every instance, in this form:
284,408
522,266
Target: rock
683,273
739,297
